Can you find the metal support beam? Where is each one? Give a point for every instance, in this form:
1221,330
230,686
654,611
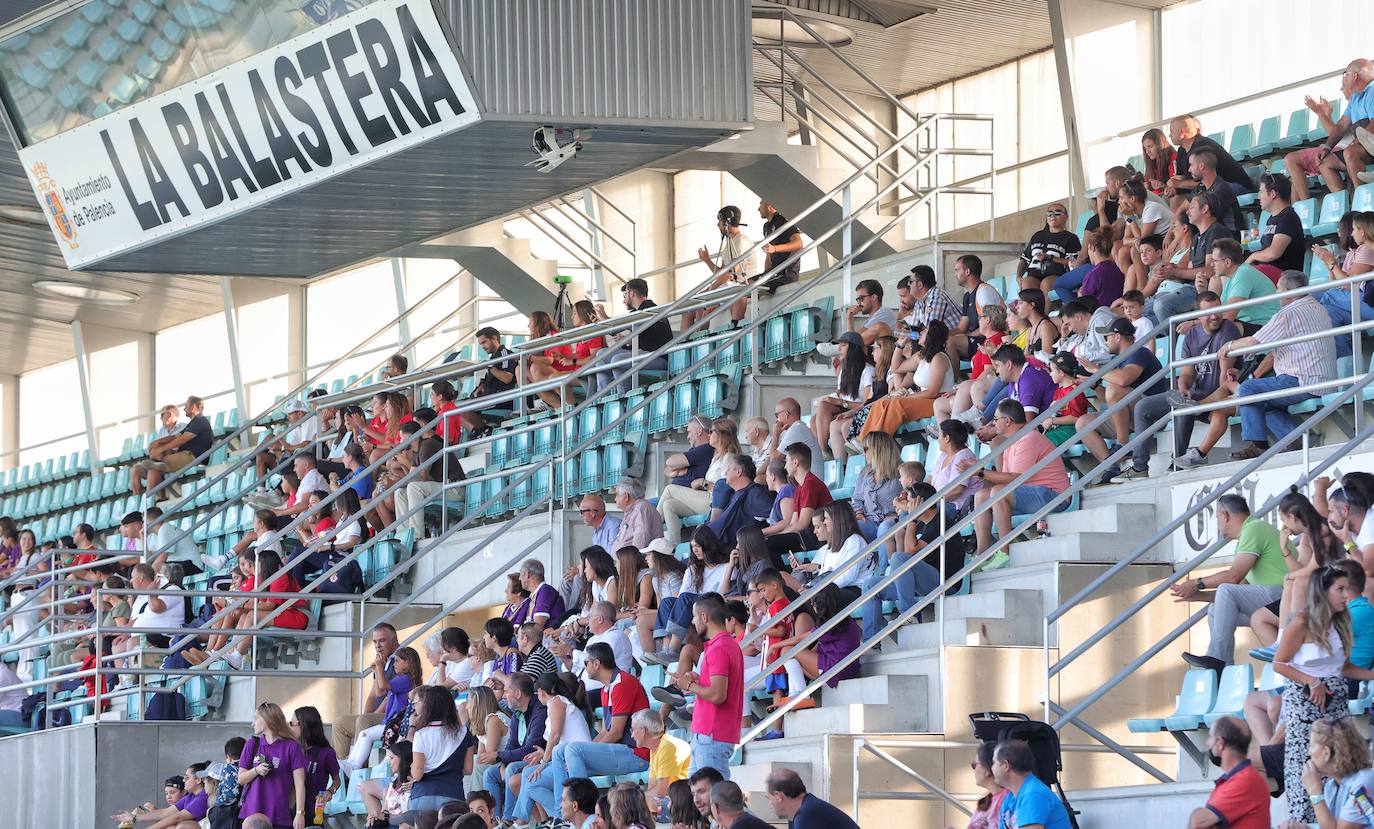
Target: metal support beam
398,278
83,380
594,235
231,327
1078,174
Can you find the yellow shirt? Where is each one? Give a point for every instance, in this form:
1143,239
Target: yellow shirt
671,760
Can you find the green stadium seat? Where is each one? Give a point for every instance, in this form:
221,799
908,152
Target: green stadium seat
776,342
853,467
1254,171
1260,222
1081,226
110,49
1270,131
1236,682
1195,700
660,409
54,58
131,30
684,404
589,471
173,31
143,11
1242,139
1334,205
35,76
1318,132
1307,212
1363,199
711,394
1318,272
95,12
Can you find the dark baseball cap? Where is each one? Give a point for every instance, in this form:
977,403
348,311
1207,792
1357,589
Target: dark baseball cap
1066,362
1120,325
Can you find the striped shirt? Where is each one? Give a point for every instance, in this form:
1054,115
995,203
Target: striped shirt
539,662
936,306
1313,361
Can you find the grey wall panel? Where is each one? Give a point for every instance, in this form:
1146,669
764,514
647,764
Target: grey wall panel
664,60
45,779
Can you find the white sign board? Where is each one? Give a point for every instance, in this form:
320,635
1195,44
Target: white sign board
367,85
1256,489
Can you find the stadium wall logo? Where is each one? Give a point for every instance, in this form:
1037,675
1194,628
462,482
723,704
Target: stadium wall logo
51,200
359,88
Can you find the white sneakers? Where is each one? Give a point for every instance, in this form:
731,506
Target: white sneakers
1191,459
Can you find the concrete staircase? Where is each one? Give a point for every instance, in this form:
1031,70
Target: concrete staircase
986,653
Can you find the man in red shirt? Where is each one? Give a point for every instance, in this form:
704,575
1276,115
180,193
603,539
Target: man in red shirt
719,689
613,752
810,496
1241,797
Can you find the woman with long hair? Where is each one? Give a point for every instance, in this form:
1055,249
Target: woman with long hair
932,375
853,387
1355,236
583,313
441,750
878,487
666,572
1313,655
272,772
598,585
629,807
1143,218
1157,155
543,365
406,664
256,611
838,530
321,763
989,806
1308,544
749,558
634,584
388,799
992,325
489,725
707,566
696,498
682,809
848,424
832,646
568,721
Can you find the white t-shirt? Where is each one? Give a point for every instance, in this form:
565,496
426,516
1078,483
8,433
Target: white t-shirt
799,432
865,380
988,295
171,617
313,482
1142,327
1157,213
436,744
620,645
1365,536
350,532
733,246
269,541
459,672
711,582
304,431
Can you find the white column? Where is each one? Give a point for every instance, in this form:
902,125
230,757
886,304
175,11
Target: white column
231,326
83,380
9,420
398,278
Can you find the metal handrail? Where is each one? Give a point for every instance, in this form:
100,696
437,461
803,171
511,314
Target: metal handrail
826,579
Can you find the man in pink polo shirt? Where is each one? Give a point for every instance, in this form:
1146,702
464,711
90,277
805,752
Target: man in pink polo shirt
1028,497
719,689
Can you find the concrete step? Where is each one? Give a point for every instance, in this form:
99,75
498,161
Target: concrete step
993,617
855,719
753,776
1085,546
876,690
1131,519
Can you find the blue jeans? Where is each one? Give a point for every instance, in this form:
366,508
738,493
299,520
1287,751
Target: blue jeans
870,531
1240,189
992,398
530,791
910,586
709,752
432,803
1337,305
1066,286
1160,307
583,759
681,617
1026,499
1257,420
496,784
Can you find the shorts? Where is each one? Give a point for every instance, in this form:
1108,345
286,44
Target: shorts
1027,499
776,682
1060,434
1309,162
177,461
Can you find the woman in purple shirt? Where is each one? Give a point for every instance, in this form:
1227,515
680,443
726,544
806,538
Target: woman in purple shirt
271,769
833,645
407,665
321,763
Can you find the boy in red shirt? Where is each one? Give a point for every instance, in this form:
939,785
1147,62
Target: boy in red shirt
1065,371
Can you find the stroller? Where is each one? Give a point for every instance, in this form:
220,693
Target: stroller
996,726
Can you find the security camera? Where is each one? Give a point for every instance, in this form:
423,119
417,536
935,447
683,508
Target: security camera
551,152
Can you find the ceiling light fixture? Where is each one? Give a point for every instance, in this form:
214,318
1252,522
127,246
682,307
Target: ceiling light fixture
84,293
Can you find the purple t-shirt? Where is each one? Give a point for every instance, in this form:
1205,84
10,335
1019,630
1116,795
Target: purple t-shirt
1105,281
196,805
271,795
548,602
1033,389
510,663
396,698
320,764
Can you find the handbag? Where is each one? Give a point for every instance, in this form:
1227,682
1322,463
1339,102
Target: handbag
398,727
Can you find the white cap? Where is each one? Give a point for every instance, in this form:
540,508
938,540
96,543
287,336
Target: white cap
296,405
659,545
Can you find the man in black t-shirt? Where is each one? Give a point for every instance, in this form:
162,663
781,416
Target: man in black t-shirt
788,242
1107,203
1203,164
1051,251
500,376
1203,211
180,451
727,808
1282,242
652,338
1185,132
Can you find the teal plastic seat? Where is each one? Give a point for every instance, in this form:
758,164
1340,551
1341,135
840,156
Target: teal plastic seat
1363,198
776,342
660,410
1307,212
711,395
1299,124
1194,701
1318,272
684,404
1236,682
1081,226
1334,205
1270,131
1318,132
1242,139
853,467
1253,244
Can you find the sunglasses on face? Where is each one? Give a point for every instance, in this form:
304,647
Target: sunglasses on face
1054,213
